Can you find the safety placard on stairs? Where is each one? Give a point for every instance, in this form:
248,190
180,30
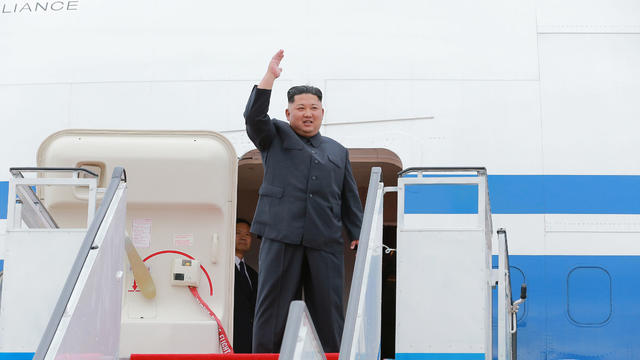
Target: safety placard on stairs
141,232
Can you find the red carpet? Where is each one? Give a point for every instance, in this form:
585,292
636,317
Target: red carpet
332,356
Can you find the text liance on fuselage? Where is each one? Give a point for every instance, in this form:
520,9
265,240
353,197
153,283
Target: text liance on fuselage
44,6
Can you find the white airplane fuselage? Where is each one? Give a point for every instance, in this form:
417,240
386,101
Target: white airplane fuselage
542,94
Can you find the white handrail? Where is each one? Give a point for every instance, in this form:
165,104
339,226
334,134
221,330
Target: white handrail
365,296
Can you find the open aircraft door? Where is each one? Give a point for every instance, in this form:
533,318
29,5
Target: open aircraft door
181,210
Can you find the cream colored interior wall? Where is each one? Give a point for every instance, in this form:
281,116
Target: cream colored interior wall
182,182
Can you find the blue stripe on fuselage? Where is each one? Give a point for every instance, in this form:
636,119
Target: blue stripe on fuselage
4,193
565,194
441,199
16,356
533,194
521,194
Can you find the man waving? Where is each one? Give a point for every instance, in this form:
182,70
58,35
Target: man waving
308,194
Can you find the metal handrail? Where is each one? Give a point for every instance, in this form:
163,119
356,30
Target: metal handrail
478,170
27,195
19,170
1,280
298,313
510,329
33,204
119,175
359,267
488,221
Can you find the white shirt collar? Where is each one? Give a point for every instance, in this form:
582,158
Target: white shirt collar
238,261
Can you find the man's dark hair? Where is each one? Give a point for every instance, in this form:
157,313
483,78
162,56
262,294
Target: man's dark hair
243,221
303,89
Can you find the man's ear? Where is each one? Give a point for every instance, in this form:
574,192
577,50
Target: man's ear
288,114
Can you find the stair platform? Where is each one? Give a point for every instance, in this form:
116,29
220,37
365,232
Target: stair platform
330,356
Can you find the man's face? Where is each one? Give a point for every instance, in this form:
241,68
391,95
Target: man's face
243,238
305,114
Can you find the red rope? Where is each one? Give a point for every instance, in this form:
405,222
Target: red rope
225,345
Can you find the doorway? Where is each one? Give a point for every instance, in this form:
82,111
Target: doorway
250,175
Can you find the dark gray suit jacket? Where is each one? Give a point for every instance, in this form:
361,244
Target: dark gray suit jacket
308,192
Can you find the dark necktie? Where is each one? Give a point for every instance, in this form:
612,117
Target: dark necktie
245,277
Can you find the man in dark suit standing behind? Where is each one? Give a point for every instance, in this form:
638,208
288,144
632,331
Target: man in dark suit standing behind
246,286
308,194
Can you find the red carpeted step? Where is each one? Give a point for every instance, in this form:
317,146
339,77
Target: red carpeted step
331,356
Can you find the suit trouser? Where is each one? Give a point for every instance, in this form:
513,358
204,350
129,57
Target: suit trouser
285,270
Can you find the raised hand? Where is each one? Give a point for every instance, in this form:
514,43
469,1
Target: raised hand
273,71
274,65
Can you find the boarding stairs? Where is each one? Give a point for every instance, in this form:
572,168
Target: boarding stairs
444,275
